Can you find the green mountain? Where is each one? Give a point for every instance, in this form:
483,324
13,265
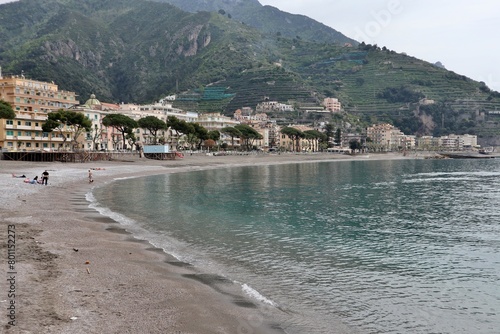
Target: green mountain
267,19
226,54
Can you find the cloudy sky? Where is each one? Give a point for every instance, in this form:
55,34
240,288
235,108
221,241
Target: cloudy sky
462,34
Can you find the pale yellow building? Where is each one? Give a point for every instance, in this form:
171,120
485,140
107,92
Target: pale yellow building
386,137
32,100
304,145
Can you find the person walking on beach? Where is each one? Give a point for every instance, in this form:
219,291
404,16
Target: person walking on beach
90,176
45,177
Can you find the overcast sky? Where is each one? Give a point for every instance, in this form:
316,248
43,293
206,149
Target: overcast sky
462,34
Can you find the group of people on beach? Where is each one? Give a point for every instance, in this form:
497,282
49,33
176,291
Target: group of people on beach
43,180
45,177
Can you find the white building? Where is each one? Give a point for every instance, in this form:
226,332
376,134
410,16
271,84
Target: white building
216,121
269,106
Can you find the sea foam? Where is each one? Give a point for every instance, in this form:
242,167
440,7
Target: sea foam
256,295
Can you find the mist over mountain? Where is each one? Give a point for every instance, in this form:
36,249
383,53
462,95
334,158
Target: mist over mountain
140,51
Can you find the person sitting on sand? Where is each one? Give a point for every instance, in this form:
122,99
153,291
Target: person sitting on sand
19,177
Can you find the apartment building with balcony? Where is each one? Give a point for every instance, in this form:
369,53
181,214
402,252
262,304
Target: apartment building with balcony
32,100
332,104
386,137
216,121
380,134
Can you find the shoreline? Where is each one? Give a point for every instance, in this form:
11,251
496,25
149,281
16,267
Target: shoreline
81,272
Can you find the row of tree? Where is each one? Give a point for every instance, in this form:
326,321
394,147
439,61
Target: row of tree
296,135
125,125
195,134
246,133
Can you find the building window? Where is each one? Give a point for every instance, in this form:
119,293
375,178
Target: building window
28,133
18,122
28,144
27,123
19,133
10,144
10,133
10,122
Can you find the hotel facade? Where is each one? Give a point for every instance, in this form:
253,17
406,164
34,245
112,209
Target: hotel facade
32,100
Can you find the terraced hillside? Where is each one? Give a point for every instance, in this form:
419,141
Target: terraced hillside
248,89
361,77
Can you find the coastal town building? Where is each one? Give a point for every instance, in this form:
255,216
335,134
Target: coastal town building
450,142
274,134
162,110
312,108
380,135
264,131
425,142
386,137
346,139
247,115
32,100
96,138
273,106
301,144
332,104
108,138
216,121
469,141
458,142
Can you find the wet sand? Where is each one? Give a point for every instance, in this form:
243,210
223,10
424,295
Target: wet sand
77,271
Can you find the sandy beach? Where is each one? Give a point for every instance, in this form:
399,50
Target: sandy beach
75,271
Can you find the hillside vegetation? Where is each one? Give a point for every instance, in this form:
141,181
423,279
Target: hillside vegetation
139,51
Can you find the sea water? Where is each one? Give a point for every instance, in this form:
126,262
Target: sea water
399,246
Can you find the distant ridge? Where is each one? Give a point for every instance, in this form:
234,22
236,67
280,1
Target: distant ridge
268,19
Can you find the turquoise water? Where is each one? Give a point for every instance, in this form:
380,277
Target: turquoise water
409,246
